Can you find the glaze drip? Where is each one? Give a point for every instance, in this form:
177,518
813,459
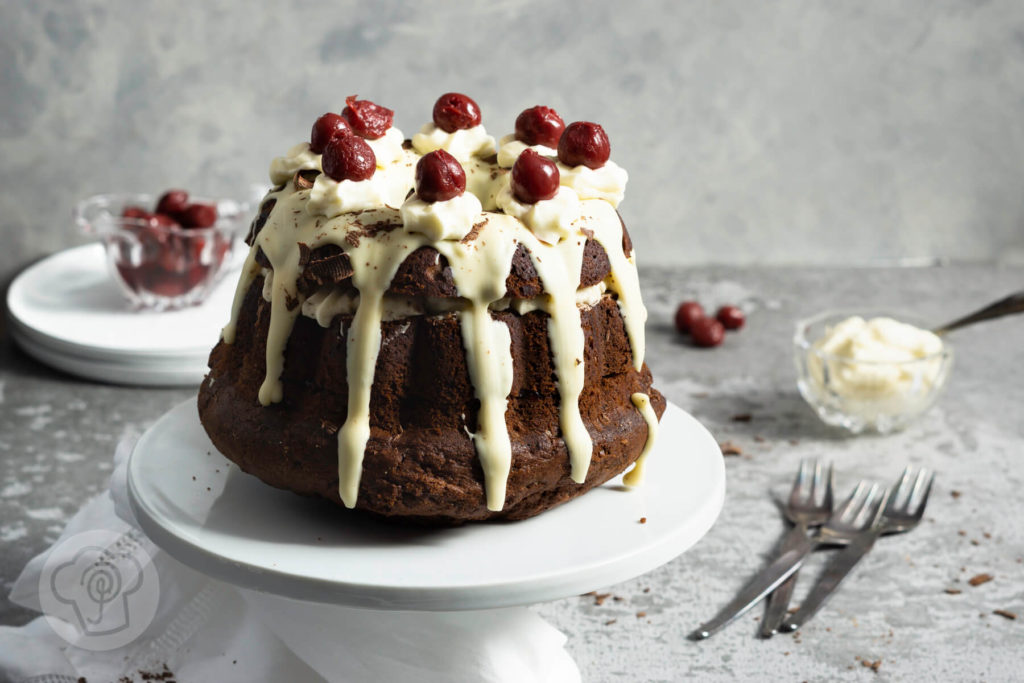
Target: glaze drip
642,401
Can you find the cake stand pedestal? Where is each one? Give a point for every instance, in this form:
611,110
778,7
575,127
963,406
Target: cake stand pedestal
201,509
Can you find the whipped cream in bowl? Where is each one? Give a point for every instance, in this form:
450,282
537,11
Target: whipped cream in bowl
869,370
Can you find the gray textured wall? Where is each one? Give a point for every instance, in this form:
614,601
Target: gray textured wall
779,132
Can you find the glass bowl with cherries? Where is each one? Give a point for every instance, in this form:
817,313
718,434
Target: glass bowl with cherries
164,253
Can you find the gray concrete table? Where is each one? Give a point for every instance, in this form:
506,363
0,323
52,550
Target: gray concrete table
909,609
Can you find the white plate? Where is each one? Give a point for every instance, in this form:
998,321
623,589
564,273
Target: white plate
70,303
208,514
161,374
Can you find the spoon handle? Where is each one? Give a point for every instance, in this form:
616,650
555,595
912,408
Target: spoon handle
1011,304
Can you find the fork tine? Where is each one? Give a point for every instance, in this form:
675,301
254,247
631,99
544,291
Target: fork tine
919,511
829,488
816,485
901,488
848,505
868,508
798,493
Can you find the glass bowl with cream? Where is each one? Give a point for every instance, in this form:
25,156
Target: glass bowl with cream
869,370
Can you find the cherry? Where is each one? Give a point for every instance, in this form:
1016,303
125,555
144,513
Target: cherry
162,220
584,143
707,332
134,212
198,216
325,129
454,111
731,317
349,158
367,119
687,314
439,177
172,202
534,178
539,126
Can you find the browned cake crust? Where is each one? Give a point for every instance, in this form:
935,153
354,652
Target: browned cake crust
420,464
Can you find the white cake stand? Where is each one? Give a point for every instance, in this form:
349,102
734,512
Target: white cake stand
205,512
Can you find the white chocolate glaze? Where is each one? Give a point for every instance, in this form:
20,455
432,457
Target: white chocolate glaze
480,262
642,401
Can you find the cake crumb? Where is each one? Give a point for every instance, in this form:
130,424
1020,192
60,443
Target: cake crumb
961,532
729,448
975,541
759,439
643,520
599,598
979,579
953,591
874,666
610,622
955,493
193,477
986,534
647,590
1005,614
618,598
641,615
742,417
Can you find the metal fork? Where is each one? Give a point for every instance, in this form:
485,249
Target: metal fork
902,513
807,507
857,514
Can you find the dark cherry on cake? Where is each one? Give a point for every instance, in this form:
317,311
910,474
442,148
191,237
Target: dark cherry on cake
349,158
367,119
534,178
454,111
439,177
584,143
539,126
325,129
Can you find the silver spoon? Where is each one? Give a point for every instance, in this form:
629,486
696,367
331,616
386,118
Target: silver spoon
1005,306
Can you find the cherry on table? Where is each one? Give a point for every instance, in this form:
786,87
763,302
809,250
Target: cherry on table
687,314
707,332
367,119
584,143
325,129
539,126
454,111
349,158
731,317
534,178
439,177
198,216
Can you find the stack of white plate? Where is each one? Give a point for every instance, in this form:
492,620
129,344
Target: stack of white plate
67,312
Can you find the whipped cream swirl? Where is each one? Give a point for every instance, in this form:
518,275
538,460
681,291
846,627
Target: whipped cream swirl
549,219
511,148
448,220
607,183
462,144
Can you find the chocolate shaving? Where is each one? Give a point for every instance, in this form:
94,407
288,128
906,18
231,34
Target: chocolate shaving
979,579
262,259
474,231
490,159
260,220
1006,614
953,591
742,417
729,448
328,265
304,252
304,179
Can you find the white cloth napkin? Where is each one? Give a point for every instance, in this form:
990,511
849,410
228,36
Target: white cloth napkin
206,630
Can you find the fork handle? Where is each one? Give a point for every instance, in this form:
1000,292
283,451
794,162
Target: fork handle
778,601
761,585
838,569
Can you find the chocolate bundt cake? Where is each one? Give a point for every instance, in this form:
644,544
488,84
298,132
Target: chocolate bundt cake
431,331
